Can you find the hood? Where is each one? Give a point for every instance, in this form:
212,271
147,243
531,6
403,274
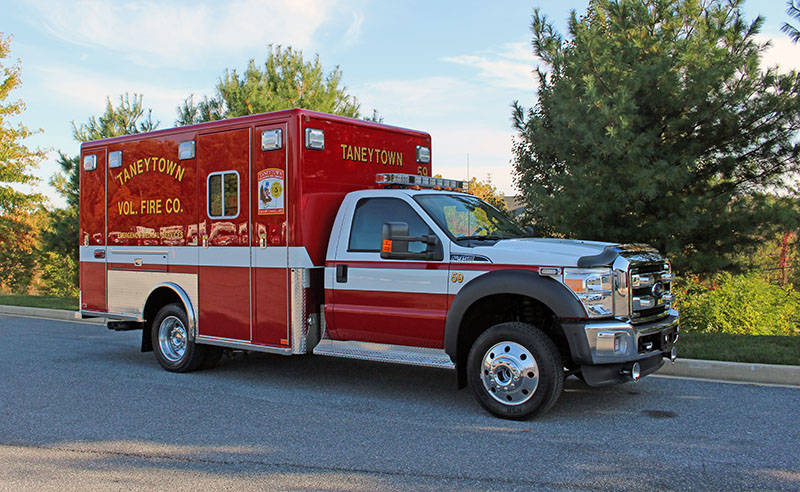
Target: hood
536,251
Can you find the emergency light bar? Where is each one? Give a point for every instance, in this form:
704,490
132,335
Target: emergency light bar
414,181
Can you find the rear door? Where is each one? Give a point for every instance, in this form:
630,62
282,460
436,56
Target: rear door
93,230
223,180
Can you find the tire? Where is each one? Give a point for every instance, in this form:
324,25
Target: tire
171,345
515,371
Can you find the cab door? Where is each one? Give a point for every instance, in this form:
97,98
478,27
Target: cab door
223,180
399,302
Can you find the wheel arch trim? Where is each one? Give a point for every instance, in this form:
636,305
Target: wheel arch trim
515,282
188,307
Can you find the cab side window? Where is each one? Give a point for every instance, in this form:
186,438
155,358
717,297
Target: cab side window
368,219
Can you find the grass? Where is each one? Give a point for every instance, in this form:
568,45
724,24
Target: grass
762,349
50,302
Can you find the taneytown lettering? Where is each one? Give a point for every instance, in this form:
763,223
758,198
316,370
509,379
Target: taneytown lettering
148,165
371,155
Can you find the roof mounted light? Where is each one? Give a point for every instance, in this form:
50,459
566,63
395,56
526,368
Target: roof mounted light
115,159
409,180
423,154
90,162
186,150
315,139
272,139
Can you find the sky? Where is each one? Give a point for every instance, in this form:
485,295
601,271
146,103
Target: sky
450,68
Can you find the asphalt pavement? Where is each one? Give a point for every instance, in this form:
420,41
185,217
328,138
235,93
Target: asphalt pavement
81,407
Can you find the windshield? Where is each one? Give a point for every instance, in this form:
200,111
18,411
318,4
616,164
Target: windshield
468,217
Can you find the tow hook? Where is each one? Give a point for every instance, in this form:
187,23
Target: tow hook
673,354
634,372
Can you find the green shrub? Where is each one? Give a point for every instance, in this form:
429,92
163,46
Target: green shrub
738,304
57,275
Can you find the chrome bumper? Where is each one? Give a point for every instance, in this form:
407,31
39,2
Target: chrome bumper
612,342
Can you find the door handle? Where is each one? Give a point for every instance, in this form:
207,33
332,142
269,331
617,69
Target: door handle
341,273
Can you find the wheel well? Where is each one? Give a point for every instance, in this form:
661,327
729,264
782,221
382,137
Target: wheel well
491,310
157,300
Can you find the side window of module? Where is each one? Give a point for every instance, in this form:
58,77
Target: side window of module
222,191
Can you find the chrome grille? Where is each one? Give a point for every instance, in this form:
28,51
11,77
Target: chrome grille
651,292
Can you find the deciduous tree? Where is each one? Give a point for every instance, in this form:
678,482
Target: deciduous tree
17,205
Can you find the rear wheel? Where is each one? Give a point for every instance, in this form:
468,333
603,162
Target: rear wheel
171,344
515,371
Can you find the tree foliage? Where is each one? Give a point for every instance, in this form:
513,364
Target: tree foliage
17,206
656,123
486,191
128,117
793,9
286,80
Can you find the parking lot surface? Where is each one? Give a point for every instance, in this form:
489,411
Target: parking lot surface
81,407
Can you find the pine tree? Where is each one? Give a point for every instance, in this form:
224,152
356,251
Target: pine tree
656,123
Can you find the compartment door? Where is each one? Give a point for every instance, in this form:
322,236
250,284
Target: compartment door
223,183
270,236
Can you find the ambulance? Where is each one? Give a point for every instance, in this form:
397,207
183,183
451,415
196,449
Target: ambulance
298,232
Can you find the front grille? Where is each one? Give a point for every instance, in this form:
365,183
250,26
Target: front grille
651,287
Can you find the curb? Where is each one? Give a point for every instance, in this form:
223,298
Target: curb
60,314
688,368
732,371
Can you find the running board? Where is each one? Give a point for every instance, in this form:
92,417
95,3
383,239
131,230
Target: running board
379,352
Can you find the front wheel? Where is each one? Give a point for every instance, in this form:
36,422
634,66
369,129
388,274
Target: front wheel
515,371
171,344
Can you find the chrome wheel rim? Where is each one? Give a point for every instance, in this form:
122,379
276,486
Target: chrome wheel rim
172,338
509,373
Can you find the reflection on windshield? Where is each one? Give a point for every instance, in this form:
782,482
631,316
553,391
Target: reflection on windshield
467,217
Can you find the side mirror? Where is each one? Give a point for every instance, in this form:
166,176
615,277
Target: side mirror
395,239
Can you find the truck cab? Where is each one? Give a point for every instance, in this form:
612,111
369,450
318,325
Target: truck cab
420,267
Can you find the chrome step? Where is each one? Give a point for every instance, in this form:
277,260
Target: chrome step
400,354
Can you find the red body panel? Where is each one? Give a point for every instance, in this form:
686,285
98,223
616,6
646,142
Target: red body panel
270,299
93,286
151,197
390,317
224,306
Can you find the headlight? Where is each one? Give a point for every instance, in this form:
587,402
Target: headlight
594,287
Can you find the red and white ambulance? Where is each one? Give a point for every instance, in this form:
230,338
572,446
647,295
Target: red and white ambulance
299,232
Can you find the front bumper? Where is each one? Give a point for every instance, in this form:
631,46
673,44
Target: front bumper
618,343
